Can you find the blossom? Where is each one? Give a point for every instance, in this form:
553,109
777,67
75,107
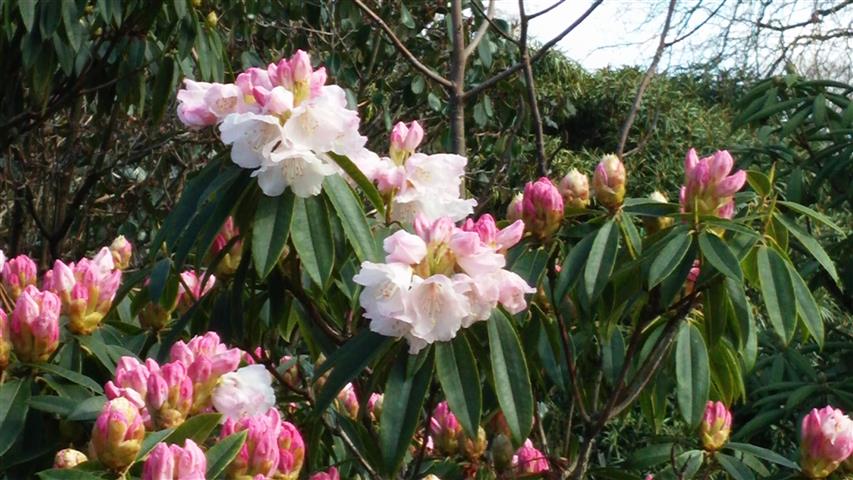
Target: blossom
574,187
445,429
826,440
34,327
374,406
608,182
206,360
191,289
431,188
131,374
69,458
716,426
122,252
528,459
167,462
708,188
117,434
499,239
228,261
404,141
542,208
17,274
244,393
347,401
330,474
260,454
291,451
515,209
169,395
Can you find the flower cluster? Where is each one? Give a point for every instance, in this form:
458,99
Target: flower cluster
441,279
273,447
281,121
708,188
416,183
826,440
167,462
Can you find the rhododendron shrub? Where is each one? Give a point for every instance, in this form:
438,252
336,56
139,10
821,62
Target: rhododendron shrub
311,307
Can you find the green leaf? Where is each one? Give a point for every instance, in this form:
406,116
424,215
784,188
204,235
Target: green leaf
763,453
270,231
88,409
668,258
720,256
71,22
746,322
157,281
759,182
734,467
692,373
220,455
814,248
151,440
404,397
602,257
346,362
75,377
484,50
457,371
53,404
312,237
778,292
349,210
613,356
197,428
28,12
180,8
363,182
571,269
164,87
806,306
812,214
509,371
14,406
68,474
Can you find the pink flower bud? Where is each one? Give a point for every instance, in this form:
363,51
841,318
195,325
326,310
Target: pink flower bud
117,434
445,429
169,395
608,182
166,462
122,252
61,280
330,474
34,328
18,273
692,276
404,141
404,247
374,406
133,374
229,260
347,401
716,426
515,209
260,454
69,458
826,440
708,188
528,459
5,343
475,448
193,111
193,281
574,188
542,208
206,360
291,453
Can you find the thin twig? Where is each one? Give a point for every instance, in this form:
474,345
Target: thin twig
481,31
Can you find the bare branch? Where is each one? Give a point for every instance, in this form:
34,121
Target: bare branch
697,27
494,25
545,10
431,74
815,18
644,83
481,32
533,59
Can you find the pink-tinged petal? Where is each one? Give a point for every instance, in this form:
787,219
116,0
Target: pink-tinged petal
721,164
731,184
510,235
690,161
403,247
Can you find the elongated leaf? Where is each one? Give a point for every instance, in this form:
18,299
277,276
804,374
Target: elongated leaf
404,397
763,453
28,12
571,269
457,372
312,237
806,306
223,452
349,210
347,362
363,183
52,404
692,373
75,377
151,440
813,246
68,474
512,381
270,231
778,292
734,467
668,258
602,257
88,409
720,256
746,322
14,406
197,428
812,214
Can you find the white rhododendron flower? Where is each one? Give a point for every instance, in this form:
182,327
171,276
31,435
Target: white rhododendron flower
244,393
441,279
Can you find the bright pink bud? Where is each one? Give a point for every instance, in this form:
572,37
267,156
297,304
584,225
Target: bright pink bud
542,208
61,280
515,209
160,464
608,182
122,252
206,360
170,395
260,454
330,474
445,429
716,426
574,188
193,110
34,328
435,232
692,276
405,140
708,188
193,281
291,453
404,247
117,434
5,343
18,273
500,240
133,374
528,459
347,401
167,462
300,66
374,406
826,440
69,458
230,260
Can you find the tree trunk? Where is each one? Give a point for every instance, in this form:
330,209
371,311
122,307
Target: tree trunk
456,92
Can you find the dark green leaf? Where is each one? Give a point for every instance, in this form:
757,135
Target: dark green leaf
778,292
75,377
457,372
28,12
571,269
53,404
270,231
14,406
602,257
512,381
151,440
88,409
197,428
814,248
220,455
763,453
734,467
346,362
349,210
363,182
68,474
312,237
720,256
812,214
692,373
668,258
806,306
404,397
